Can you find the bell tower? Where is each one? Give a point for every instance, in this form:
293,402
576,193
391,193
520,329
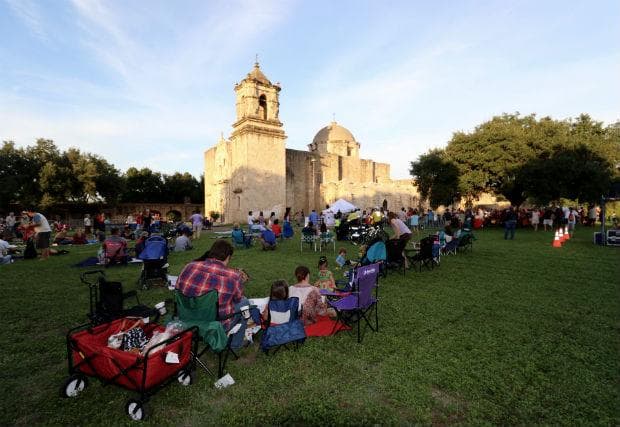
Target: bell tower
258,105
256,150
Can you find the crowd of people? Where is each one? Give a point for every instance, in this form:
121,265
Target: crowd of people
21,237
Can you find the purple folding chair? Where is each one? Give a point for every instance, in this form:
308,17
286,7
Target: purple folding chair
359,305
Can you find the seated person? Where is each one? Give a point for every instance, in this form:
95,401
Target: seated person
211,272
309,229
342,260
127,233
239,236
275,227
279,292
61,238
79,238
268,239
325,278
183,243
5,258
310,301
115,248
141,242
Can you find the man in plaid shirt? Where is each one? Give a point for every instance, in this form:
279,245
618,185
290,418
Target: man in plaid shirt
211,271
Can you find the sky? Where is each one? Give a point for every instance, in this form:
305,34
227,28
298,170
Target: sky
150,83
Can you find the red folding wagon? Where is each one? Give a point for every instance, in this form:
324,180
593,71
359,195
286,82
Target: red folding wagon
88,355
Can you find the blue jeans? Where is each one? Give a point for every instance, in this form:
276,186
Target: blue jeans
509,229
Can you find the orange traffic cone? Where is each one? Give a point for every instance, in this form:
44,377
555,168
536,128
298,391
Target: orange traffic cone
566,233
561,234
556,240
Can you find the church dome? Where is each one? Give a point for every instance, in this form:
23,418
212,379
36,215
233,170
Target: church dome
333,132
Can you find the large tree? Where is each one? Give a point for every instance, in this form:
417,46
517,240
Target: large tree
181,186
492,158
436,177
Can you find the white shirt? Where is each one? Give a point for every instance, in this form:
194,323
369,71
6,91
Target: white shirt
10,220
250,220
42,226
300,292
87,222
400,227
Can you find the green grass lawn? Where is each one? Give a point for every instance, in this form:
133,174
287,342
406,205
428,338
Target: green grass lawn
515,332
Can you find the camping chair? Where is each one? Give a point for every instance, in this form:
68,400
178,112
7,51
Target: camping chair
358,306
154,258
308,238
451,247
424,257
466,242
202,312
395,257
325,239
115,252
107,299
240,240
283,325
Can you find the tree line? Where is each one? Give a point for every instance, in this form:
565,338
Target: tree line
523,158
42,175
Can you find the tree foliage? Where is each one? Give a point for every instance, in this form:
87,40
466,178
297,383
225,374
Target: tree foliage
498,154
42,175
436,178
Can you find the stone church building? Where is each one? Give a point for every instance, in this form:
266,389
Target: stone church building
253,170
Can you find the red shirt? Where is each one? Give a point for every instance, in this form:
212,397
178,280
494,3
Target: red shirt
277,230
199,277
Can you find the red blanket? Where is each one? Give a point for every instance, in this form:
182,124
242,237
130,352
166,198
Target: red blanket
324,327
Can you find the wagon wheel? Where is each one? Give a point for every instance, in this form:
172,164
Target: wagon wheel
136,409
73,385
186,378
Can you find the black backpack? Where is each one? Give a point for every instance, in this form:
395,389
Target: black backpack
30,252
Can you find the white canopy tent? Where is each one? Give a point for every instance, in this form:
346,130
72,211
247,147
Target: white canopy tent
342,205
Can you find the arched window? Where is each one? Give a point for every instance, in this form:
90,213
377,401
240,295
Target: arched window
262,107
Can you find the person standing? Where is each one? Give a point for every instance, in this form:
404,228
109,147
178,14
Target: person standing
510,223
146,221
211,272
250,221
41,227
535,218
314,217
88,225
592,216
10,223
197,222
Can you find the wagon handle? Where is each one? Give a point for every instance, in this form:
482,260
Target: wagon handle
85,277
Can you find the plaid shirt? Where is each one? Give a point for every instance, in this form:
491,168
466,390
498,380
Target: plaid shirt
199,277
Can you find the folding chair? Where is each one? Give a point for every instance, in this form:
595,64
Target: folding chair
240,240
451,247
359,305
395,257
107,299
325,239
202,312
115,253
424,257
283,325
466,242
308,238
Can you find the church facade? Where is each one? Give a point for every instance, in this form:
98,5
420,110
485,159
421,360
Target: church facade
253,170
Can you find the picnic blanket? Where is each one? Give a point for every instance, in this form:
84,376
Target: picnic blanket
324,327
